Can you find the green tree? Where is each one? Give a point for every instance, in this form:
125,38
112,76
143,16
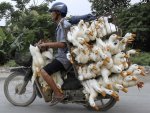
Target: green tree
5,9
136,19
103,7
24,26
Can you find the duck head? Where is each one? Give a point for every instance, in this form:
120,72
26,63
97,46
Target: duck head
125,90
138,72
130,78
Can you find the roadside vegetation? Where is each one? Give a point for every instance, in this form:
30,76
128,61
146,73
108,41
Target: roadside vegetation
142,58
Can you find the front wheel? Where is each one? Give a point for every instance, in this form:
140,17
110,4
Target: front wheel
17,91
104,103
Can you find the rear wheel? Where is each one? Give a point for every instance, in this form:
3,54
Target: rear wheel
104,103
17,91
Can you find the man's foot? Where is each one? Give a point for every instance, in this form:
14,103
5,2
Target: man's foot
57,99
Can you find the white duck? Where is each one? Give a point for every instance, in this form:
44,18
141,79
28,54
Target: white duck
117,59
47,56
91,94
131,52
110,28
69,57
122,44
83,57
71,38
137,72
130,83
91,34
82,25
101,44
108,63
130,78
105,74
103,29
125,65
133,67
118,87
100,52
111,92
94,84
113,38
76,51
81,73
111,43
94,56
93,70
116,69
38,61
113,28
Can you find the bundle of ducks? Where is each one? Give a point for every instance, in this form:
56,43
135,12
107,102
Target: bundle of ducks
102,60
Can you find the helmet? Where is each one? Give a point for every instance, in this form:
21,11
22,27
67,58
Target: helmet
59,6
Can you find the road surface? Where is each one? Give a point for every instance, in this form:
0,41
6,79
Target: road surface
135,101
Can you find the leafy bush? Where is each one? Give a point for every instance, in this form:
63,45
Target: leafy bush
142,59
10,63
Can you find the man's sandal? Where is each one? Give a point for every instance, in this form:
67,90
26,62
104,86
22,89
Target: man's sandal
56,99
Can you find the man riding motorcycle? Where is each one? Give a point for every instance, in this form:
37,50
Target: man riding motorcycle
58,12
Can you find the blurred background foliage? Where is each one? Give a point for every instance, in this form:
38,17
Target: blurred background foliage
24,26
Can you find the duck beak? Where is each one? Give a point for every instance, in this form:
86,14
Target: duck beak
97,27
123,41
118,37
84,52
71,60
109,86
125,90
123,74
94,68
91,33
142,73
88,45
108,48
107,59
96,108
134,79
115,95
126,56
117,98
141,67
104,63
38,72
103,93
129,73
124,64
96,52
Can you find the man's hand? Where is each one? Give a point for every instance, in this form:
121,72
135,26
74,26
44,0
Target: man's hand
39,42
42,47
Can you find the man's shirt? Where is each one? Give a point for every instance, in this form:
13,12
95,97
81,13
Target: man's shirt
60,37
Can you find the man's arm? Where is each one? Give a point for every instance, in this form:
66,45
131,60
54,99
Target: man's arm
52,45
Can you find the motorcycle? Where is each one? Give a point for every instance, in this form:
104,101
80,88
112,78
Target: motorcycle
19,90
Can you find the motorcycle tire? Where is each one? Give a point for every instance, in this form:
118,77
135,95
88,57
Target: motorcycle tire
16,82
